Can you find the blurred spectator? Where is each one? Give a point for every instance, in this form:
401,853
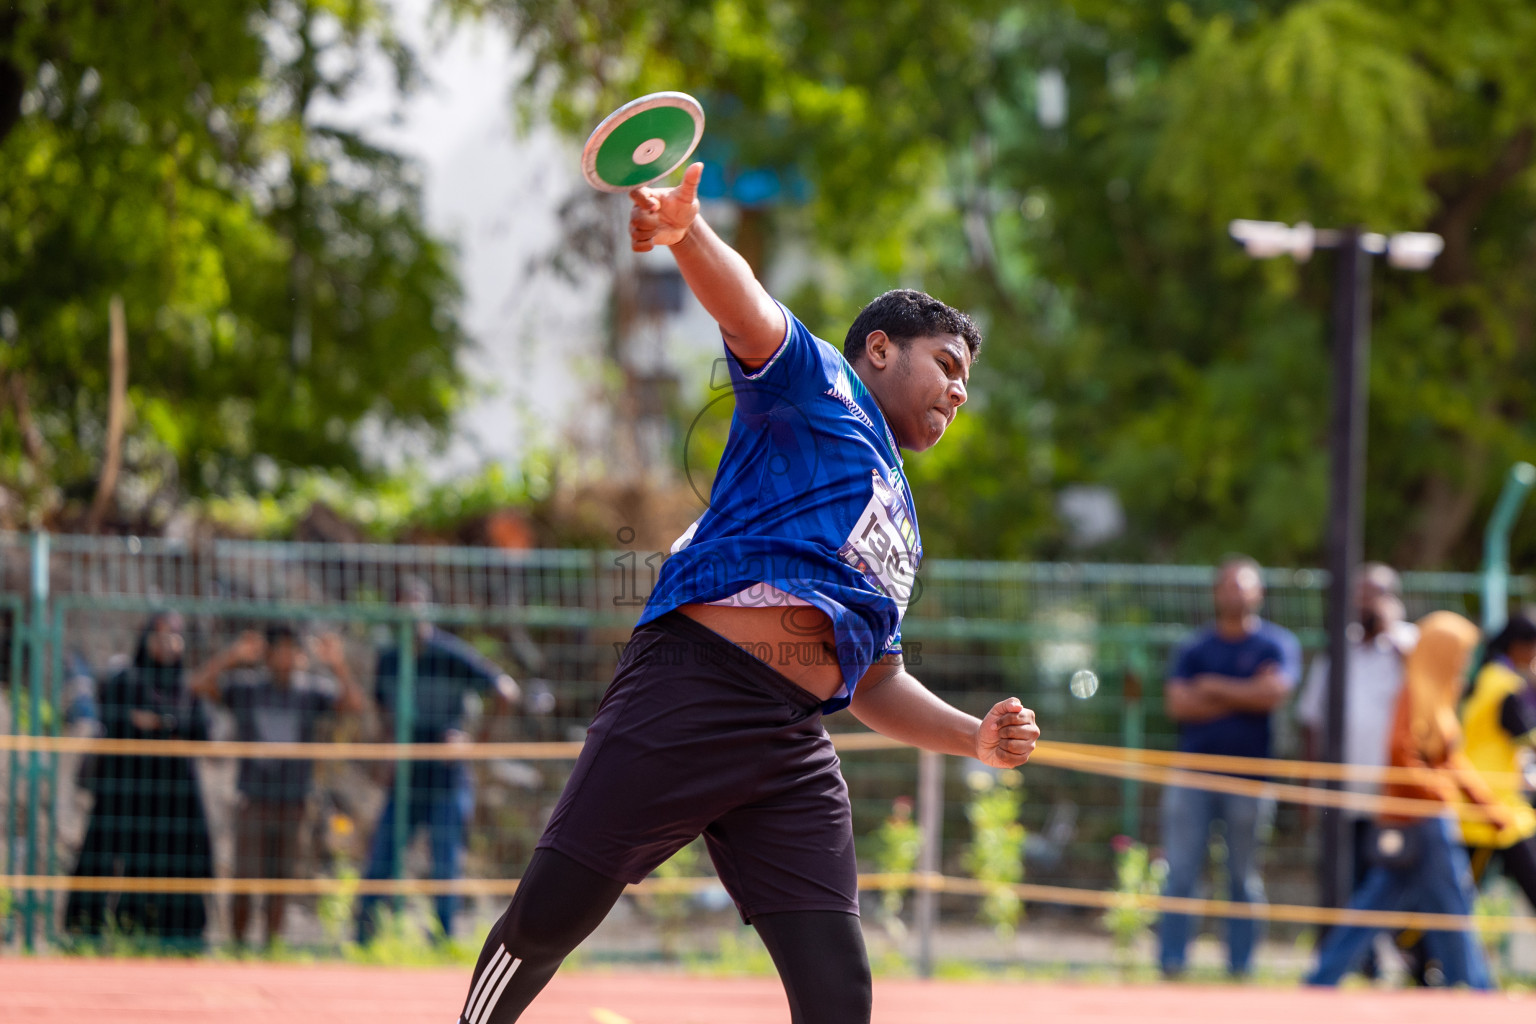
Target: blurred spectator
82,715
1376,645
148,819
1419,862
1500,723
441,794
1223,686
1498,720
274,700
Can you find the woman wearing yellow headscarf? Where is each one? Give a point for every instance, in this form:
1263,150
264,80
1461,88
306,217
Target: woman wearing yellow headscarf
1421,865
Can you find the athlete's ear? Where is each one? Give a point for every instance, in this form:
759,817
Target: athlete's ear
877,349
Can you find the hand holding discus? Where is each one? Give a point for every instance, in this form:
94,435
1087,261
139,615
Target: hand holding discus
663,216
640,144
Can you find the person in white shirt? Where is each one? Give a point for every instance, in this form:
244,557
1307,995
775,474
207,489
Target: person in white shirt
1377,643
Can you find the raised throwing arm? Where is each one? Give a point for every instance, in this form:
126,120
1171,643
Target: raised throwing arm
750,321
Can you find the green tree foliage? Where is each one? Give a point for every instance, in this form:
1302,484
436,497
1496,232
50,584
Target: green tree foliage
1130,343
281,289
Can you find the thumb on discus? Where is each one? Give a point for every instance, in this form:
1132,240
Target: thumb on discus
688,191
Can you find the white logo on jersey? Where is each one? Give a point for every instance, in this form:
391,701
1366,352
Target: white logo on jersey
686,538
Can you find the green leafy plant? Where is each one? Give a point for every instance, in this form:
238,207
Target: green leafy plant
1495,900
898,842
1137,875
409,939
739,953
338,909
996,853
668,910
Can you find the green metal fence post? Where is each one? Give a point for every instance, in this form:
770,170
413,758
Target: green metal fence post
55,727
1132,736
405,722
37,653
19,635
1522,475
930,823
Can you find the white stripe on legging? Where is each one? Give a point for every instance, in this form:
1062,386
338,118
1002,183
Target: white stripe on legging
485,1015
491,968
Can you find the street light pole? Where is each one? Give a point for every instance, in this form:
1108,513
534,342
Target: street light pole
1346,502
1346,505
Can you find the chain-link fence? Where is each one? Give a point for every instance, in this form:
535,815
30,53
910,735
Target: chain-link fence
129,638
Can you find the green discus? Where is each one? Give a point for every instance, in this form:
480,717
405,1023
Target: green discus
644,140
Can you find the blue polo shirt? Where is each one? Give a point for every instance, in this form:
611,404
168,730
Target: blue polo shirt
1245,734
447,669
809,498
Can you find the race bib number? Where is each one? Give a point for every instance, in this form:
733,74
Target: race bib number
883,545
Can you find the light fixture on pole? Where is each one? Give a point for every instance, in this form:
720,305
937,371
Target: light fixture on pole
1410,250
1266,239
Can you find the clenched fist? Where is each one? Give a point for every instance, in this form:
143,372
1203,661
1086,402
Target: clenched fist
1007,735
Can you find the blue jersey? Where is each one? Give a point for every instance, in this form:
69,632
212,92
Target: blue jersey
811,499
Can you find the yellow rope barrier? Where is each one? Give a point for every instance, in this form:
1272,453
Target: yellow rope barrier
1156,766
1364,802
351,751
1029,892
1275,767
1165,767
293,751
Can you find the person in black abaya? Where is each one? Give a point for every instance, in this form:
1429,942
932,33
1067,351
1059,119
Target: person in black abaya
148,820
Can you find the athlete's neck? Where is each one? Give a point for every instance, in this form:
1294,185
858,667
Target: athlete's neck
884,416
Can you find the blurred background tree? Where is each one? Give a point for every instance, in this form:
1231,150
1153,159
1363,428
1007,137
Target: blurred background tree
282,292
1066,169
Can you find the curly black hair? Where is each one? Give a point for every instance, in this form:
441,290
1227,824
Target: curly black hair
904,314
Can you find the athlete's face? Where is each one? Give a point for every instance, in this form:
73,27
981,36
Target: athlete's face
920,385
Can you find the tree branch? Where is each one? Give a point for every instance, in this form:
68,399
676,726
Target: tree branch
117,415
12,87
1460,210
31,437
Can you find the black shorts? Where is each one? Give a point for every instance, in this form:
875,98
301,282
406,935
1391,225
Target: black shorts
696,736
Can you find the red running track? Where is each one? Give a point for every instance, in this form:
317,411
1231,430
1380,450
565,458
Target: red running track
33,991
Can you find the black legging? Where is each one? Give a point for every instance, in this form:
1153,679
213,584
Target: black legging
1517,861
819,953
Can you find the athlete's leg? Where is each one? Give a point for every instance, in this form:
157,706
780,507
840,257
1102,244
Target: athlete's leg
821,959
557,904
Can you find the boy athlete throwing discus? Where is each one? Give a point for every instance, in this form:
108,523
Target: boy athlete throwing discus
782,603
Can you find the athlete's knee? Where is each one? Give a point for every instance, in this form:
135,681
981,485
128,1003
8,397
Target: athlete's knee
847,999
539,936
558,905
821,959
854,998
